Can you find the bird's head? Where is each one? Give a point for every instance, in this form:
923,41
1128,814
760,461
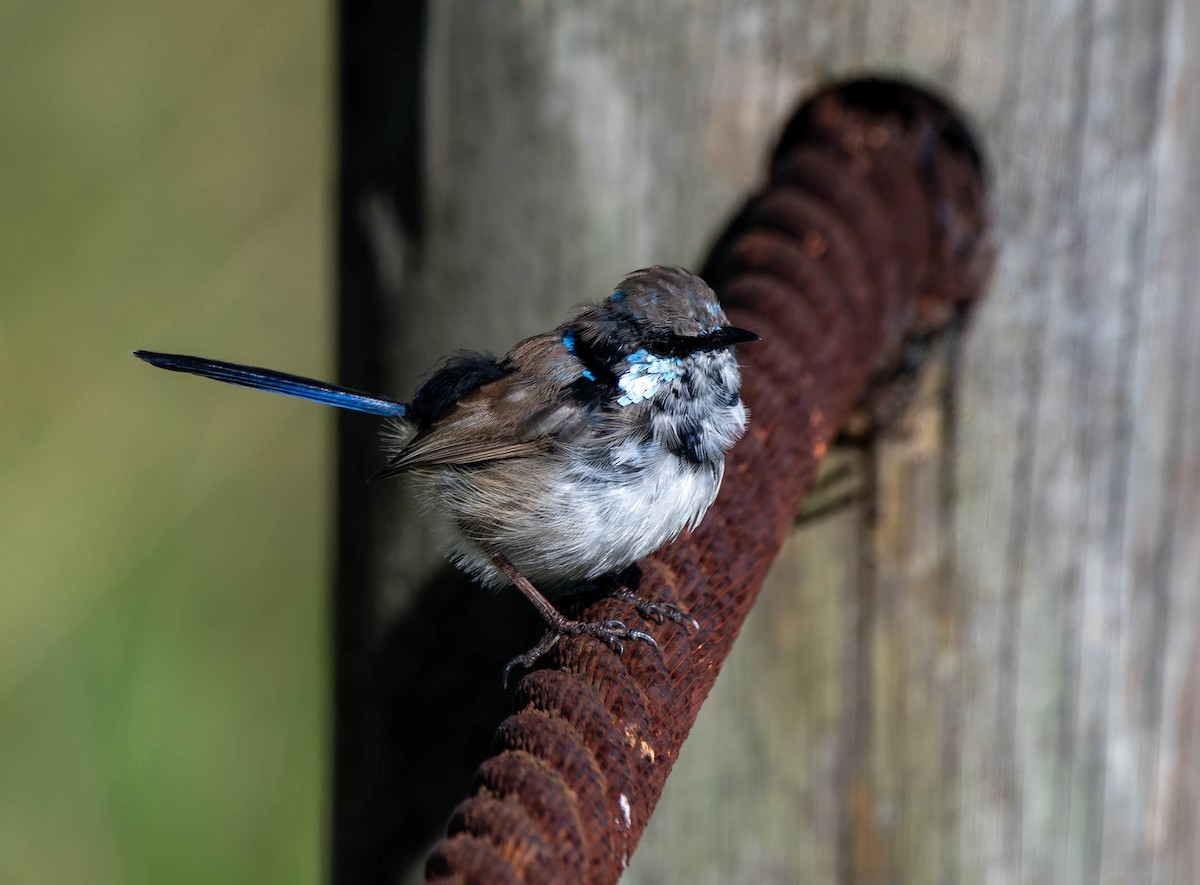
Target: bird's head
668,311
660,324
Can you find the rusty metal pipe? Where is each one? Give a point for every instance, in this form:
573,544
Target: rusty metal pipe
871,232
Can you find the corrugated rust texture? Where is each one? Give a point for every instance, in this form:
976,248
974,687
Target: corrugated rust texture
870,233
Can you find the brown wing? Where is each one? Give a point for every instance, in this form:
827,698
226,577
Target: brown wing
508,418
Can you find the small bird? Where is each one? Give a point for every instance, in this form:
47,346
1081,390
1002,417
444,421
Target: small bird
578,452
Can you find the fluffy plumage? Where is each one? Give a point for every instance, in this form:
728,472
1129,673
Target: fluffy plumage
580,450
603,440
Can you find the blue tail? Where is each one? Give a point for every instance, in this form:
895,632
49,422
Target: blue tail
276,382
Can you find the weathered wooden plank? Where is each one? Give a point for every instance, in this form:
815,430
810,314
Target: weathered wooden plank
988,670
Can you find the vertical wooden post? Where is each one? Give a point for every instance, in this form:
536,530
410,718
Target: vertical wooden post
988,670
379,226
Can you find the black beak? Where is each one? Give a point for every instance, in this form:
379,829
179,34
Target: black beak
672,344
726,336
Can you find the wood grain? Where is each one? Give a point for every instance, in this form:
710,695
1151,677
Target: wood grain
989,669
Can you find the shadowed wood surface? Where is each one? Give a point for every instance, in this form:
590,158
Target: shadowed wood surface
988,670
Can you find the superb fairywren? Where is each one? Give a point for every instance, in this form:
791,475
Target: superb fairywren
577,453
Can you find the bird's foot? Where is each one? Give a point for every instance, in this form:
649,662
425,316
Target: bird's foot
614,634
658,610
622,585
529,658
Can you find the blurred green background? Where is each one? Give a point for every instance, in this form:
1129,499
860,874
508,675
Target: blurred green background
166,183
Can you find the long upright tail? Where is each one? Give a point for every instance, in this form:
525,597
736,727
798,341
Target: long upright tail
276,382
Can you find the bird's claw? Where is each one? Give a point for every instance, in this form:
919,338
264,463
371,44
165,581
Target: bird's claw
660,612
529,658
612,633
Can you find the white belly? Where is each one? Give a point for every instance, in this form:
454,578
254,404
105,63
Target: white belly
562,521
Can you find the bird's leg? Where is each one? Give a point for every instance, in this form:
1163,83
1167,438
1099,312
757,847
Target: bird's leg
612,633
